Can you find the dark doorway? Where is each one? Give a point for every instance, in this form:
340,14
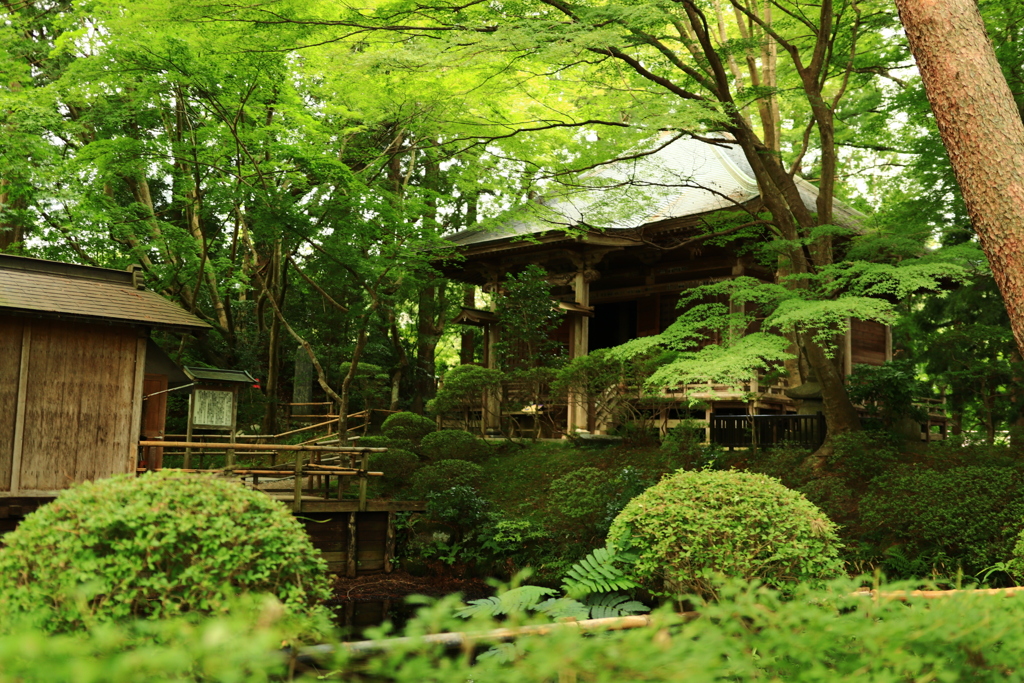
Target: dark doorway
612,324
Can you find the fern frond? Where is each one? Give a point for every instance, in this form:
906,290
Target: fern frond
564,608
516,600
614,605
597,573
485,606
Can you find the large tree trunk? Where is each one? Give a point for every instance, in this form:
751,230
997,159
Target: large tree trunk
430,326
981,128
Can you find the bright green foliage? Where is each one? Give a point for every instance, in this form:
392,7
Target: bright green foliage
531,599
407,426
444,475
241,644
454,444
965,516
527,318
695,524
753,634
155,546
614,605
515,600
599,572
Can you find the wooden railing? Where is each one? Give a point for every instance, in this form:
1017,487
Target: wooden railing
753,431
311,464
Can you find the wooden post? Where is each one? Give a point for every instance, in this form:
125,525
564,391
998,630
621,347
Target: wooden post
579,333
19,416
132,460
389,543
490,419
350,556
229,454
362,491
187,464
297,503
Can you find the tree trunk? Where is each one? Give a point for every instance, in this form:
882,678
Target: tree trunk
840,415
430,325
403,360
981,129
275,291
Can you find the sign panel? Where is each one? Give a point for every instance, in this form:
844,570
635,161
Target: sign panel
213,409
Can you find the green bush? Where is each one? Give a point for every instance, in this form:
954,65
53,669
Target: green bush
459,506
833,497
454,444
154,546
968,516
859,457
407,426
398,466
738,524
578,500
445,474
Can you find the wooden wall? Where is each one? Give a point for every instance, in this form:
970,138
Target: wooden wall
11,332
74,412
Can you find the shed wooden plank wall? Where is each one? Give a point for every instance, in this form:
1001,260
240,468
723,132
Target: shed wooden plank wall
79,402
11,332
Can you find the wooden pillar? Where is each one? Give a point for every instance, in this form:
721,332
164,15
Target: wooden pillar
137,394
490,422
579,333
350,554
389,543
467,352
19,414
297,502
187,463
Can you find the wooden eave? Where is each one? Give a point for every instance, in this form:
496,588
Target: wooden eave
475,317
573,307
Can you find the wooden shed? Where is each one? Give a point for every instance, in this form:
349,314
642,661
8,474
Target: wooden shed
73,362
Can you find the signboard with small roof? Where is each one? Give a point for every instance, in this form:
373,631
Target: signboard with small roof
213,404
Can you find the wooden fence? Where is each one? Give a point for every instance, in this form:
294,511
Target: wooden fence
755,431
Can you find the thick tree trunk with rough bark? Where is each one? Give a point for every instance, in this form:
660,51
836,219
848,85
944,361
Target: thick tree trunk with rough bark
981,128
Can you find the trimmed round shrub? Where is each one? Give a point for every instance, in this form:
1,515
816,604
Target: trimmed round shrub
155,546
965,516
397,465
443,475
694,525
407,426
453,444
460,506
